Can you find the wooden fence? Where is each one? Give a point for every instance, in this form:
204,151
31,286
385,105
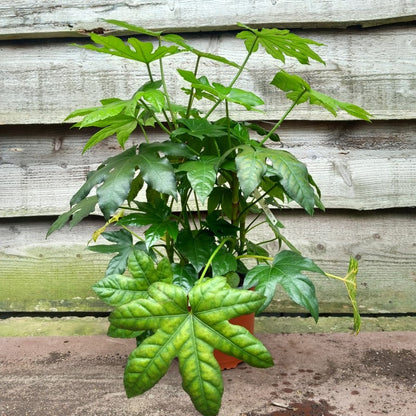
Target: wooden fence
367,172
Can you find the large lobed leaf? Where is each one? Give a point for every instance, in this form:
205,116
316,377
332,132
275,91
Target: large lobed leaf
158,216
202,175
250,169
117,289
191,334
77,213
123,246
132,49
218,91
294,177
286,270
279,44
253,165
197,247
299,91
114,177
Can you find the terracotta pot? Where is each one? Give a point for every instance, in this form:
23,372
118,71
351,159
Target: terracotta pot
228,362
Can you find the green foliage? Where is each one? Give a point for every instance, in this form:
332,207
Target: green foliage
280,44
299,90
174,289
286,270
191,334
123,245
76,214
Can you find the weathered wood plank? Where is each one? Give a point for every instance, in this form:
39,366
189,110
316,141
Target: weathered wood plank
290,325
357,165
77,326
370,68
65,326
28,19
56,274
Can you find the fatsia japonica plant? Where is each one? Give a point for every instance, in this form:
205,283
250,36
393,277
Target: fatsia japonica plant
183,207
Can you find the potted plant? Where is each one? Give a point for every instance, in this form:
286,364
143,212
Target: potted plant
198,192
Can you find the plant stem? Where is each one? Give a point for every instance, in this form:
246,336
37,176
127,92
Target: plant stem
237,75
197,207
191,95
165,90
149,71
342,279
139,238
254,256
277,125
273,221
220,245
144,132
155,117
235,198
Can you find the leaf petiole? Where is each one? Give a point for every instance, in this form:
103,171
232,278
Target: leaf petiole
277,125
214,253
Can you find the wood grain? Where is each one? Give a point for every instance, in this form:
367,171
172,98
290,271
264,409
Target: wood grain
357,165
80,326
42,82
55,275
28,19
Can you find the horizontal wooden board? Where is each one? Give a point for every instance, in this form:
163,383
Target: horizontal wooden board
81,326
55,275
25,19
42,82
290,325
64,326
357,165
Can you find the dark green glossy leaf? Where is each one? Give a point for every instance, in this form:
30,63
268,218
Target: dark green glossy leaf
202,175
184,276
223,263
78,212
169,148
158,216
123,245
158,230
219,226
156,171
196,247
256,249
286,270
136,185
199,128
113,179
294,177
251,167
263,132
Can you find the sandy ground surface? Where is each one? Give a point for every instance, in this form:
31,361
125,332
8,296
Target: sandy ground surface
314,375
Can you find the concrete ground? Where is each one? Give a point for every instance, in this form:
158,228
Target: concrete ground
314,375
